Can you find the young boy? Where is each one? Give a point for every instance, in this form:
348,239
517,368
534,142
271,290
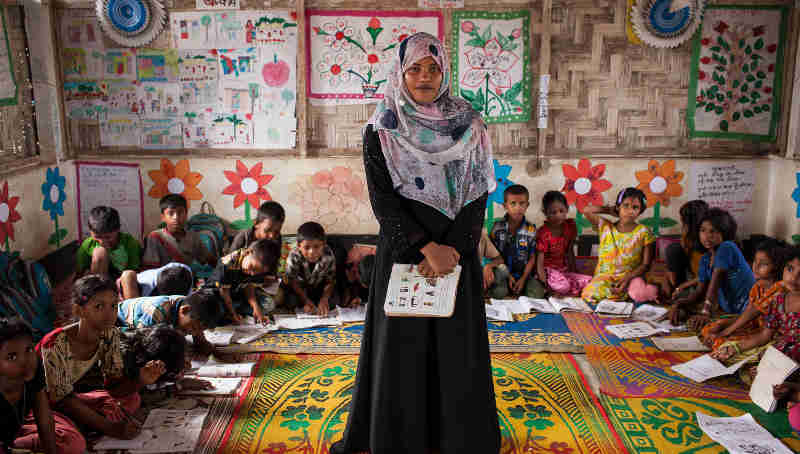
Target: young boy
495,271
108,251
171,279
190,315
267,226
311,271
174,243
515,238
243,275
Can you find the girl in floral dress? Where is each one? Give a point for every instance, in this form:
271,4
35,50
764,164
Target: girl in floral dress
626,251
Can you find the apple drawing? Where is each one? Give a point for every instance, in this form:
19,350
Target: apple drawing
275,73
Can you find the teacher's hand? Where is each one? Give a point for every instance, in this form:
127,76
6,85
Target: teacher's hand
442,259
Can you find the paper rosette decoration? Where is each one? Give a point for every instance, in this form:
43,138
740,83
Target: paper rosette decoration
666,23
131,23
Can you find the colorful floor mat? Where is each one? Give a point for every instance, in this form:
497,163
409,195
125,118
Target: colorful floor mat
635,370
670,426
531,333
299,404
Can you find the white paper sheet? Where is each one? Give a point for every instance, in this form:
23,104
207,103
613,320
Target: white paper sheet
680,344
172,430
288,321
222,386
773,369
518,306
348,315
538,305
226,370
614,308
705,368
219,336
498,313
740,435
569,304
648,313
107,443
633,330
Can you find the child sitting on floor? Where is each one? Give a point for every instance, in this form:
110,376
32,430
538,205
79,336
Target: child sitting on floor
165,344
784,336
311,271
515,238
495,271
174,243
555,255
724,276
767,270
357,290
191,315
626,251
22,391
171,279
269,222
683,259
242,276
83,365
108,251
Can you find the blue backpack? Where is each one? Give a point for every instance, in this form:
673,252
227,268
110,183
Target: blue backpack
25,291
210,227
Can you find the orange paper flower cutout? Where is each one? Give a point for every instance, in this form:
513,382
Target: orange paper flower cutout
584,185
660,182
8,214
175,179
247,185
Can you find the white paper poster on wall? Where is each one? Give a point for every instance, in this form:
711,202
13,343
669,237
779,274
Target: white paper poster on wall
122,131
724,185
114,184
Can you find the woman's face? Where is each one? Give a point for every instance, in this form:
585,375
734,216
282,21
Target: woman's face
423,80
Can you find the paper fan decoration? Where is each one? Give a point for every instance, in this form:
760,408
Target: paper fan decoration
666,23
131,23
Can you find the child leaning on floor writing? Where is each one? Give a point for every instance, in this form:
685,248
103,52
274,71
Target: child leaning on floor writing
626,251
555,256
768,270
76,355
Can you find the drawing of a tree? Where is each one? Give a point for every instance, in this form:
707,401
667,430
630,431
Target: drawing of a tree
206,21
739,70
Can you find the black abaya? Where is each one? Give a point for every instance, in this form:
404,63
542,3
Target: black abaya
422,383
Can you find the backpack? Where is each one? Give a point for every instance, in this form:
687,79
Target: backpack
210,227
25,290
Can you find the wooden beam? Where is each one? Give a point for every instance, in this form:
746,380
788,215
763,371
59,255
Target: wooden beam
301,104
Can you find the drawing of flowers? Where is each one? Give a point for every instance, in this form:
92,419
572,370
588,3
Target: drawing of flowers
8,216
400,33
659,183
735,74
247,188
335,68
584,186
54,197
175,179
490,58
336,198
337,35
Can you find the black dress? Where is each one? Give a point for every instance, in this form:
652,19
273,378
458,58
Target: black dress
422,383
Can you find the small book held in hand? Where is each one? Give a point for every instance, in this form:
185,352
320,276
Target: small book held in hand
411,294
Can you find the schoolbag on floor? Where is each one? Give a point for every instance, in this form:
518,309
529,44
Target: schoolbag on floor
211,228
25,291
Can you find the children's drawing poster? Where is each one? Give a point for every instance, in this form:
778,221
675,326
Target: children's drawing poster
724,185
82,63
83,99
158,100
269,28
198,65
239,64
83,109
199,93
80,29
161,133
114,184
230,29
232,130
122,98
119,64
240,97
278,85
198,126
274,132
157,65
350,51
492,68
194,30
120,132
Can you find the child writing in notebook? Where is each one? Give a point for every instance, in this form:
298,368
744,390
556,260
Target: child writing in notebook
768,271
83,364
555,259
626,251
725,278
22,391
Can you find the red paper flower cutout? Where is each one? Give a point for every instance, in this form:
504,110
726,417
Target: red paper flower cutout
8,214
584,185
247,185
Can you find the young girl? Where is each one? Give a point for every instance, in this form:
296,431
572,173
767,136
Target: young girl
555,257
22,390
781,322
83,364
767,263
725,278
626,251
684,258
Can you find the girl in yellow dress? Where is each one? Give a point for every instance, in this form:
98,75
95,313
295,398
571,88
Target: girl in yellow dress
626,251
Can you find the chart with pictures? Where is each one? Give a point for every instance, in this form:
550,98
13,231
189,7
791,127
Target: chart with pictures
411,294
228,81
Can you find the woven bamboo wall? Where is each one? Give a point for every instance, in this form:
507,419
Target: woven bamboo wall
608,97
